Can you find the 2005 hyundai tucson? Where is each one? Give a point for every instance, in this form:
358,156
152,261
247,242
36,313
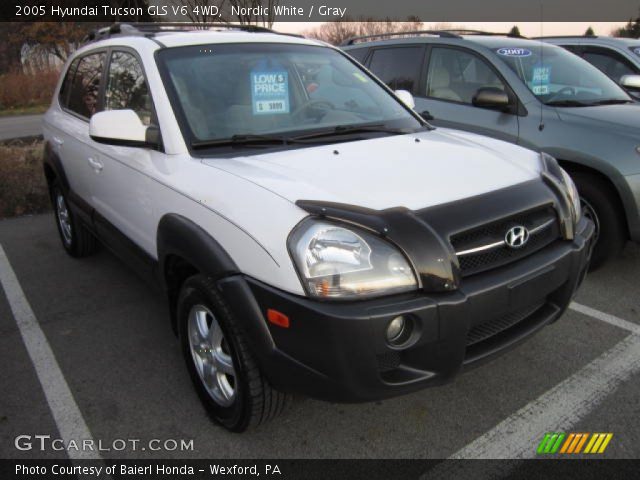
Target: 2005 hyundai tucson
312,233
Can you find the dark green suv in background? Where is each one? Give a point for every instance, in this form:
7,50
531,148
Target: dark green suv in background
534,94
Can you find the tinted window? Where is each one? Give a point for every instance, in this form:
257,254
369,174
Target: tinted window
609,62
558,77
399,68
573,48
456,75
359,54
85,90
126,87
67,82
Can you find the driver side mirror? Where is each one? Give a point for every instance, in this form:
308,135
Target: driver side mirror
406,98
123,128
491,97
631,82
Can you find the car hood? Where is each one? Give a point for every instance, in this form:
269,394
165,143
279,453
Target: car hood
413,171
623,118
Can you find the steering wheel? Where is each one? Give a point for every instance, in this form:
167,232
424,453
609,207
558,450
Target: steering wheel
563,90
311,104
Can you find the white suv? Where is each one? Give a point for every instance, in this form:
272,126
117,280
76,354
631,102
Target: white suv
313,234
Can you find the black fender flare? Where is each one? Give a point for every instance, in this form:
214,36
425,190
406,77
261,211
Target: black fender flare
179,236
52,160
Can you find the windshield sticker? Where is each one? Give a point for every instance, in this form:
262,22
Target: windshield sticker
541,79
270,92
514,52
636,50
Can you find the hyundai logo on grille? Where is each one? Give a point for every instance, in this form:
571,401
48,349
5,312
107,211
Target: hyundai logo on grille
517,237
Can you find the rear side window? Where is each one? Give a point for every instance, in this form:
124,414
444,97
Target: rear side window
85,88
398,67
611,63
359,54
573,48
127,87
63,97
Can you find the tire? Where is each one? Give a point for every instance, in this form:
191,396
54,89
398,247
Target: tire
236,394
601,205
76,239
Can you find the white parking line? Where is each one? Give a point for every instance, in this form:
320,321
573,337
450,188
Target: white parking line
560,408
67,415
606,317
557,410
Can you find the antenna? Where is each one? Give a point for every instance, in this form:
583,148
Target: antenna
541,125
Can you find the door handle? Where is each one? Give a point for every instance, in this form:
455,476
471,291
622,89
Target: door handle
95,164
57,141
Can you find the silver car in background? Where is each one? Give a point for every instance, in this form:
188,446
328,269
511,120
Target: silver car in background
618,58
530,93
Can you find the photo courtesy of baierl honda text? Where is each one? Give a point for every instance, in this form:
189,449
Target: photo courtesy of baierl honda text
326,239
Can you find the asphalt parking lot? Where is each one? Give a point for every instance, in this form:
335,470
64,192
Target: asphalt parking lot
109,332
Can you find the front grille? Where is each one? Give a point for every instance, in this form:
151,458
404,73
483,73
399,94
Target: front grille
542,223
487,330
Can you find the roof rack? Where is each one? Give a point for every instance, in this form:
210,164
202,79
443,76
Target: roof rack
565,36
151,29
439,33
462,31
448,33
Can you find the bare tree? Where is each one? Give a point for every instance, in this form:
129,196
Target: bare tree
337,32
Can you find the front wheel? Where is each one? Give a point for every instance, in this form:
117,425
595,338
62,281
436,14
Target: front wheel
600,205
225,375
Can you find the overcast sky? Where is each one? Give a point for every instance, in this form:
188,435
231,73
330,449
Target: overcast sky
528,29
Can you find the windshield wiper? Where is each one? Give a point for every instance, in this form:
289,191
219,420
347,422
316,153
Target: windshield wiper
259,140
351,129
242,140
613,101
568,103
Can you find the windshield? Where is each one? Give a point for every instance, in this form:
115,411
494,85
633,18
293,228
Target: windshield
558,77
635,50
225,91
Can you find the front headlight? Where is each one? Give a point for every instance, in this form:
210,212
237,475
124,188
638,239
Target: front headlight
572,192
552,167
344,263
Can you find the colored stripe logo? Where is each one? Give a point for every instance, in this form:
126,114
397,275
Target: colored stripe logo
573,443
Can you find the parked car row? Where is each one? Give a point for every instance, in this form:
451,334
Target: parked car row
536,95
312,232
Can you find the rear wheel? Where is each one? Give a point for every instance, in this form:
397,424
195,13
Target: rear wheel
76,239
600,204
225,374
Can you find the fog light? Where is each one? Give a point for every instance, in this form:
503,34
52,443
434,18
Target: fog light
396,329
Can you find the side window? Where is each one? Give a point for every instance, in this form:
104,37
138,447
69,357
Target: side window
85,88
127,88
359,54
398,67
456,75
577,49
63,96
611,63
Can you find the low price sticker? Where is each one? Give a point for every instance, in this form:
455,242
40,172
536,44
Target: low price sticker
270,92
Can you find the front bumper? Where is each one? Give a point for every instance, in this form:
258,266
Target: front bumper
338,352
